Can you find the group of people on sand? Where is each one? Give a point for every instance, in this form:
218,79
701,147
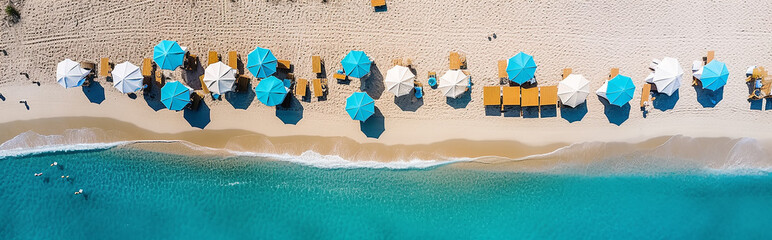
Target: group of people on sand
65,177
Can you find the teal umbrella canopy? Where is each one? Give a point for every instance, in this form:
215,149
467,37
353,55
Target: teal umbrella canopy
175,96
271,91
356,64
360,106
168,55
261,62
714,75
521,68
620,90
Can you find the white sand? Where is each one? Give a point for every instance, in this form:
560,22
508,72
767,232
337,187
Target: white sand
590,37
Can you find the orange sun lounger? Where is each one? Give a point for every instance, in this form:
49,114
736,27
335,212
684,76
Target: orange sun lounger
316,64
491,95
300,87
645,94
318,88
530,97
548,95
147,67
233,60
104,67
213,58
455,61
503,69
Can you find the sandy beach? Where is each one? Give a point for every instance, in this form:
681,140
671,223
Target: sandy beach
589,37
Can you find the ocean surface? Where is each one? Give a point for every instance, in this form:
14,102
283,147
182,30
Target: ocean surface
137,194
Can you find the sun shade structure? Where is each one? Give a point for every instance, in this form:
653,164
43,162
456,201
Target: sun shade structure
219,78
70,74
618,91
573,90
714,75
360,106
521,68
399,80
261,62
453,83
168,55
271,91
175,96
667,76
127,78
356,64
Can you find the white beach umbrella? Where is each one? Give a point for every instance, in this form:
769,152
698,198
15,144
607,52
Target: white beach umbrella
573,90
601,92
399,80
127,78
453,83
70,74
219,78
668,75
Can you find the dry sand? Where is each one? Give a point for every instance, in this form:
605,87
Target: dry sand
590,37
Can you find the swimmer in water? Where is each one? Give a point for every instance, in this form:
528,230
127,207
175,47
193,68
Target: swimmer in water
54,164
38,174
68,176
80,191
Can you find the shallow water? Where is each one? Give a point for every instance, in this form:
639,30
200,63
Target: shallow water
135,194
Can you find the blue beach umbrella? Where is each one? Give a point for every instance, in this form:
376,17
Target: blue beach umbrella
356,64
360,106
521,68
714,75
168,55
175,96
261,62
271,91
620,90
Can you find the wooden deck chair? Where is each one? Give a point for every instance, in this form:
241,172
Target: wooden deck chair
502,69
318,88
203,85
645,94
566,72
284,64
213,58
147,67
233,60
104,67
300,87
316,64
159,78
455,61
377,3
491,95
530,97
90,66
397,62
614,73
339,76
510,96
711,55
548,95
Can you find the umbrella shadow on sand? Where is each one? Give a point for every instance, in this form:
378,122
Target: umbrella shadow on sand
372,84
242,99
199,118
663,102
152,96
290,111
461,101
573,114
94,92
615,114
408,102
374,126
708,98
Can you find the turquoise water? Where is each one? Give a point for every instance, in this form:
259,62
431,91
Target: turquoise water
132,194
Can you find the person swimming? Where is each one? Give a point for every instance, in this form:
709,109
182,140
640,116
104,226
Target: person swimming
38,174
80,191
54,164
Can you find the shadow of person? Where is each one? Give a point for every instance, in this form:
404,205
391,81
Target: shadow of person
615,114
372,84
242,99
408,102
198,118
290,111
374,126
573,114
2,97
94,92
461,101
708,98
663,102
